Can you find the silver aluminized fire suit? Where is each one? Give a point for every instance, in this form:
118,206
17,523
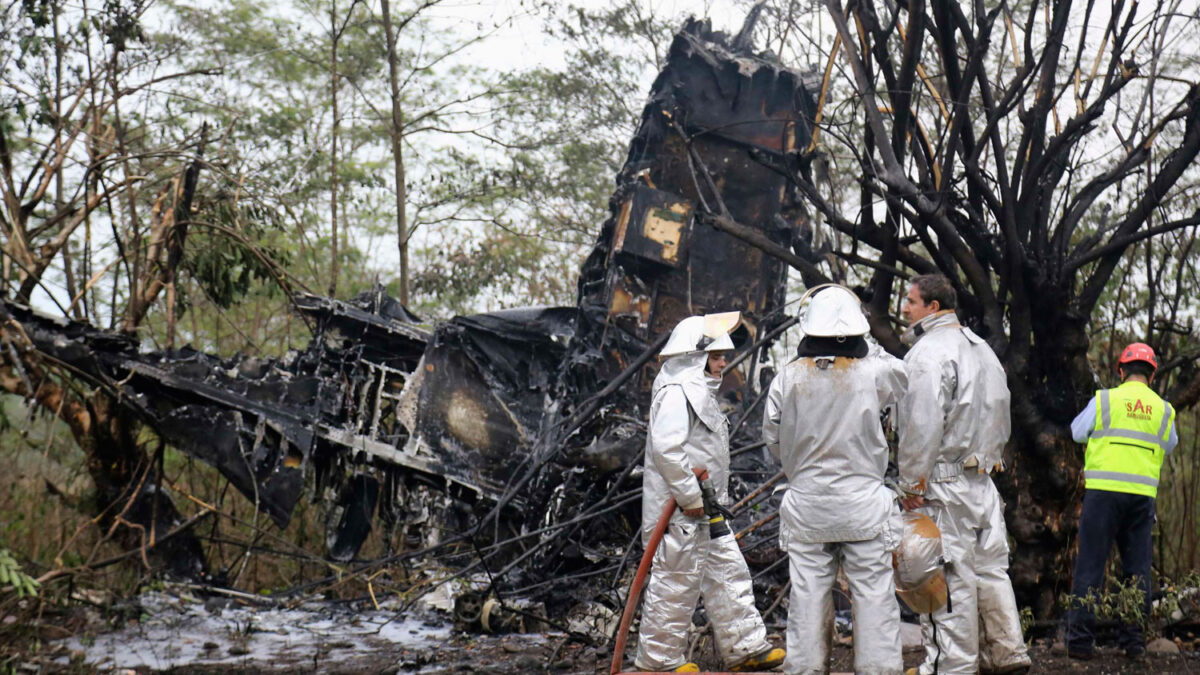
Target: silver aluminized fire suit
822,419
954,422
687,429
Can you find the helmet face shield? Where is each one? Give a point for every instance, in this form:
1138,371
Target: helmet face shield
721,325
918,564
723,343
705,333
929,596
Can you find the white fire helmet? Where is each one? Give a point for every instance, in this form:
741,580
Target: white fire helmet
832,311
706,333
918,564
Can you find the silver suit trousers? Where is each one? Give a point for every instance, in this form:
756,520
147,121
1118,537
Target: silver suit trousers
689,565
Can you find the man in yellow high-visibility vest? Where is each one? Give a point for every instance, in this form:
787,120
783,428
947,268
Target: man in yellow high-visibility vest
1128,431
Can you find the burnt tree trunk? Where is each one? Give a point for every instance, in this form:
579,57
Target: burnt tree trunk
1042,484
130,506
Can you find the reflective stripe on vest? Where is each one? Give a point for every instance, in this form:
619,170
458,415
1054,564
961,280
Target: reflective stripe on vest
1106,430
1113,475
1123,452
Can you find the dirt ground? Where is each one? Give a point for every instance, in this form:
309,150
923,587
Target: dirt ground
555,653
516,655
172,634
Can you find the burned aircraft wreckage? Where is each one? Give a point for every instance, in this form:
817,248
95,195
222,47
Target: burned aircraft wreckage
522,423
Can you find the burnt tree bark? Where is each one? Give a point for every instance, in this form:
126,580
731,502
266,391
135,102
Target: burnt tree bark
129,507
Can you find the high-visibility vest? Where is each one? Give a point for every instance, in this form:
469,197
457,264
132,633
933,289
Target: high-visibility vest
1129,440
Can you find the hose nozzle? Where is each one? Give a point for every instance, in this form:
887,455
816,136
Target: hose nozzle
717,526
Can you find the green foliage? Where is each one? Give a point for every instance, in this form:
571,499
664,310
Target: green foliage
458,273
39,12
12,576
540,202
228,259
1026,618
512,209
120,23
572,125
225,269
1170,603
29,32
1124,601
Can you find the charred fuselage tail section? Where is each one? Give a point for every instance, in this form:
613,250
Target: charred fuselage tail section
714,111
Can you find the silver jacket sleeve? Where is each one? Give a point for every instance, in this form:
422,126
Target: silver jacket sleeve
670,422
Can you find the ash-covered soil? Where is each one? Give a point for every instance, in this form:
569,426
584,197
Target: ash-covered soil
164,633
554,653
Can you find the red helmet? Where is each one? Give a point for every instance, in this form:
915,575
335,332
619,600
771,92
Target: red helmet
1138,351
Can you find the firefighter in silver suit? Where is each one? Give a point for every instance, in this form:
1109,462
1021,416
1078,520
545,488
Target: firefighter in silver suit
954,422
688,430
823,420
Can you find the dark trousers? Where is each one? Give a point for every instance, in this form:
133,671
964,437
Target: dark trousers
1128,520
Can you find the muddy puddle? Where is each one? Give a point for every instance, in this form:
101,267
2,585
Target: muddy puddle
171,631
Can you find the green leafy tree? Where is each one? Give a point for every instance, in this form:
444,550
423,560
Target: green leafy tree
101,191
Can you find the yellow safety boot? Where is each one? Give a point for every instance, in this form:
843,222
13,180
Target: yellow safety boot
767,660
